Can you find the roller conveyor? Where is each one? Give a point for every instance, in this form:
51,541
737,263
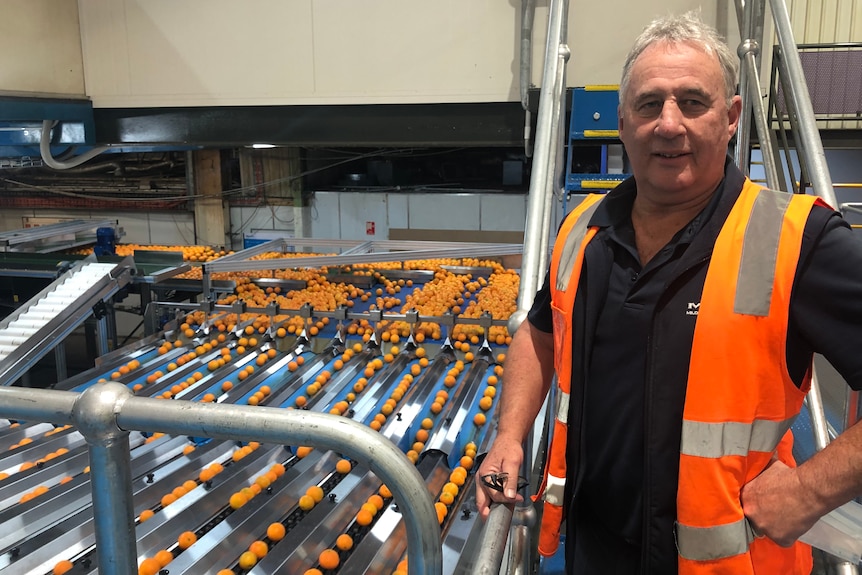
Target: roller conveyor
33,329
54,237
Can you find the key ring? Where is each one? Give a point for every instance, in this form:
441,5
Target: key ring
497,481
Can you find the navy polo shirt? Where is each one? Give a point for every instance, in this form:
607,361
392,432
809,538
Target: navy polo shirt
614,455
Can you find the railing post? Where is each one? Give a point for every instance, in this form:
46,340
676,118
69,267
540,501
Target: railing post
547,147
95,414
808,138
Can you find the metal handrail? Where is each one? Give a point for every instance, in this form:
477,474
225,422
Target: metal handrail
106,412
546,177
504,522
811,148
751,26
809,141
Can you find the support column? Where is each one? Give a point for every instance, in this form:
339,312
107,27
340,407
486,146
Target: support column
272,178
209,207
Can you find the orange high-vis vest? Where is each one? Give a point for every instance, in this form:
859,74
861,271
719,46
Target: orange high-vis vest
740,400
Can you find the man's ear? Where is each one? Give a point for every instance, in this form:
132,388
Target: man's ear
734,113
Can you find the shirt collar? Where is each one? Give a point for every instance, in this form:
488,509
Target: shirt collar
615,211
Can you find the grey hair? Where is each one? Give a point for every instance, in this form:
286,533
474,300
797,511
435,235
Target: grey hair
687,28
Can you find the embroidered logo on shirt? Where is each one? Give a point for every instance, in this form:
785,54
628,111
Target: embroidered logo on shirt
693,308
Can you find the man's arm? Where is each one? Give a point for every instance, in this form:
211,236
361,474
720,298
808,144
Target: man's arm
826,312
783,503
529,366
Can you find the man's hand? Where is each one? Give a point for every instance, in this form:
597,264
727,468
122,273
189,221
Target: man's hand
505,456
778,505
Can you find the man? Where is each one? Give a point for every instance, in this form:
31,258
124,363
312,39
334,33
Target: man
682,311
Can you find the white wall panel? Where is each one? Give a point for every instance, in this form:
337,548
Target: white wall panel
601,33
359,213
503,212
176,228
825,21
41,48
415,51
398,210
444,211
221,52
325,216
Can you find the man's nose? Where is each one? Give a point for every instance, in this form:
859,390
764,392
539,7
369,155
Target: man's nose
669,123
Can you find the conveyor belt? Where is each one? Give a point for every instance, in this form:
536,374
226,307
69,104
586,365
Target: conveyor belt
38,325
54,237
188,485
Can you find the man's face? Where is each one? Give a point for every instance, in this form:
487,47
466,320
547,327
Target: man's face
675,122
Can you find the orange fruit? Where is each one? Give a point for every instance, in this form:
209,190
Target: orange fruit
344,542
276,531
364,517
343,466
62,567
452,488
302,451
377,501
149,566
237,500
186,539
259,548
306,502
145,514
442,511
316,493
164,557
329,559
247,560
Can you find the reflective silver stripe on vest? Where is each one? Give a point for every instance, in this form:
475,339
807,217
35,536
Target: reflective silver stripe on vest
555,489
759,253
572,246
710,543
700,439
562,406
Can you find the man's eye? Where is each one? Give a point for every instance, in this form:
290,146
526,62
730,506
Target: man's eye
693,104
650,107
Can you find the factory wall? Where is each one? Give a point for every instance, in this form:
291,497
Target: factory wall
218,52
269,52
41,47
819,22
476,217
493,217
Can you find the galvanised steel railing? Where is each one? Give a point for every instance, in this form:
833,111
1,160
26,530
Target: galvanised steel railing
106,412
